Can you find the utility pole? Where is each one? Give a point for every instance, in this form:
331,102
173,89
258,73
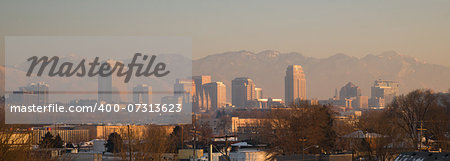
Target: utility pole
420,135
303,150
195,133
210,152
226,147
195,142
129,142
421,129
182,141
303,140
195,138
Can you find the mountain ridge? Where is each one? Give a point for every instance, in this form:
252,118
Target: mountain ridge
323,75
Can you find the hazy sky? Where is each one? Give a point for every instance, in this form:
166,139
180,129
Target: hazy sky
314,28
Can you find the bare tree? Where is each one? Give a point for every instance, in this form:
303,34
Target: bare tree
290,130
412,111
342,128
382,140
152,146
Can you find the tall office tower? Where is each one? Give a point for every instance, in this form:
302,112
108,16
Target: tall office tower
242,92
41,90
199,102
258,93
184,88
215,94
294,84
111,88
142,94
349,90
385,89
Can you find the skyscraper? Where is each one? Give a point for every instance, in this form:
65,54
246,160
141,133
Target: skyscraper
294,84
111,88
215,94
199,102
142,94
349,90
184,88
384,89
41,89
243,92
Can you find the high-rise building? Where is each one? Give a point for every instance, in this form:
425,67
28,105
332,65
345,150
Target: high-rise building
258,93
215,94
243,92
184,88
200,102
142,94
349,90
41,89
385,89
294,84
111,88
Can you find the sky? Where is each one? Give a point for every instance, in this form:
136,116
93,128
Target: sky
314,28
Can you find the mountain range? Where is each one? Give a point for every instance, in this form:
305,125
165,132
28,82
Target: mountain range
323,75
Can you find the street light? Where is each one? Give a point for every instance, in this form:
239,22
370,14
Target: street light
303,147
315,146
